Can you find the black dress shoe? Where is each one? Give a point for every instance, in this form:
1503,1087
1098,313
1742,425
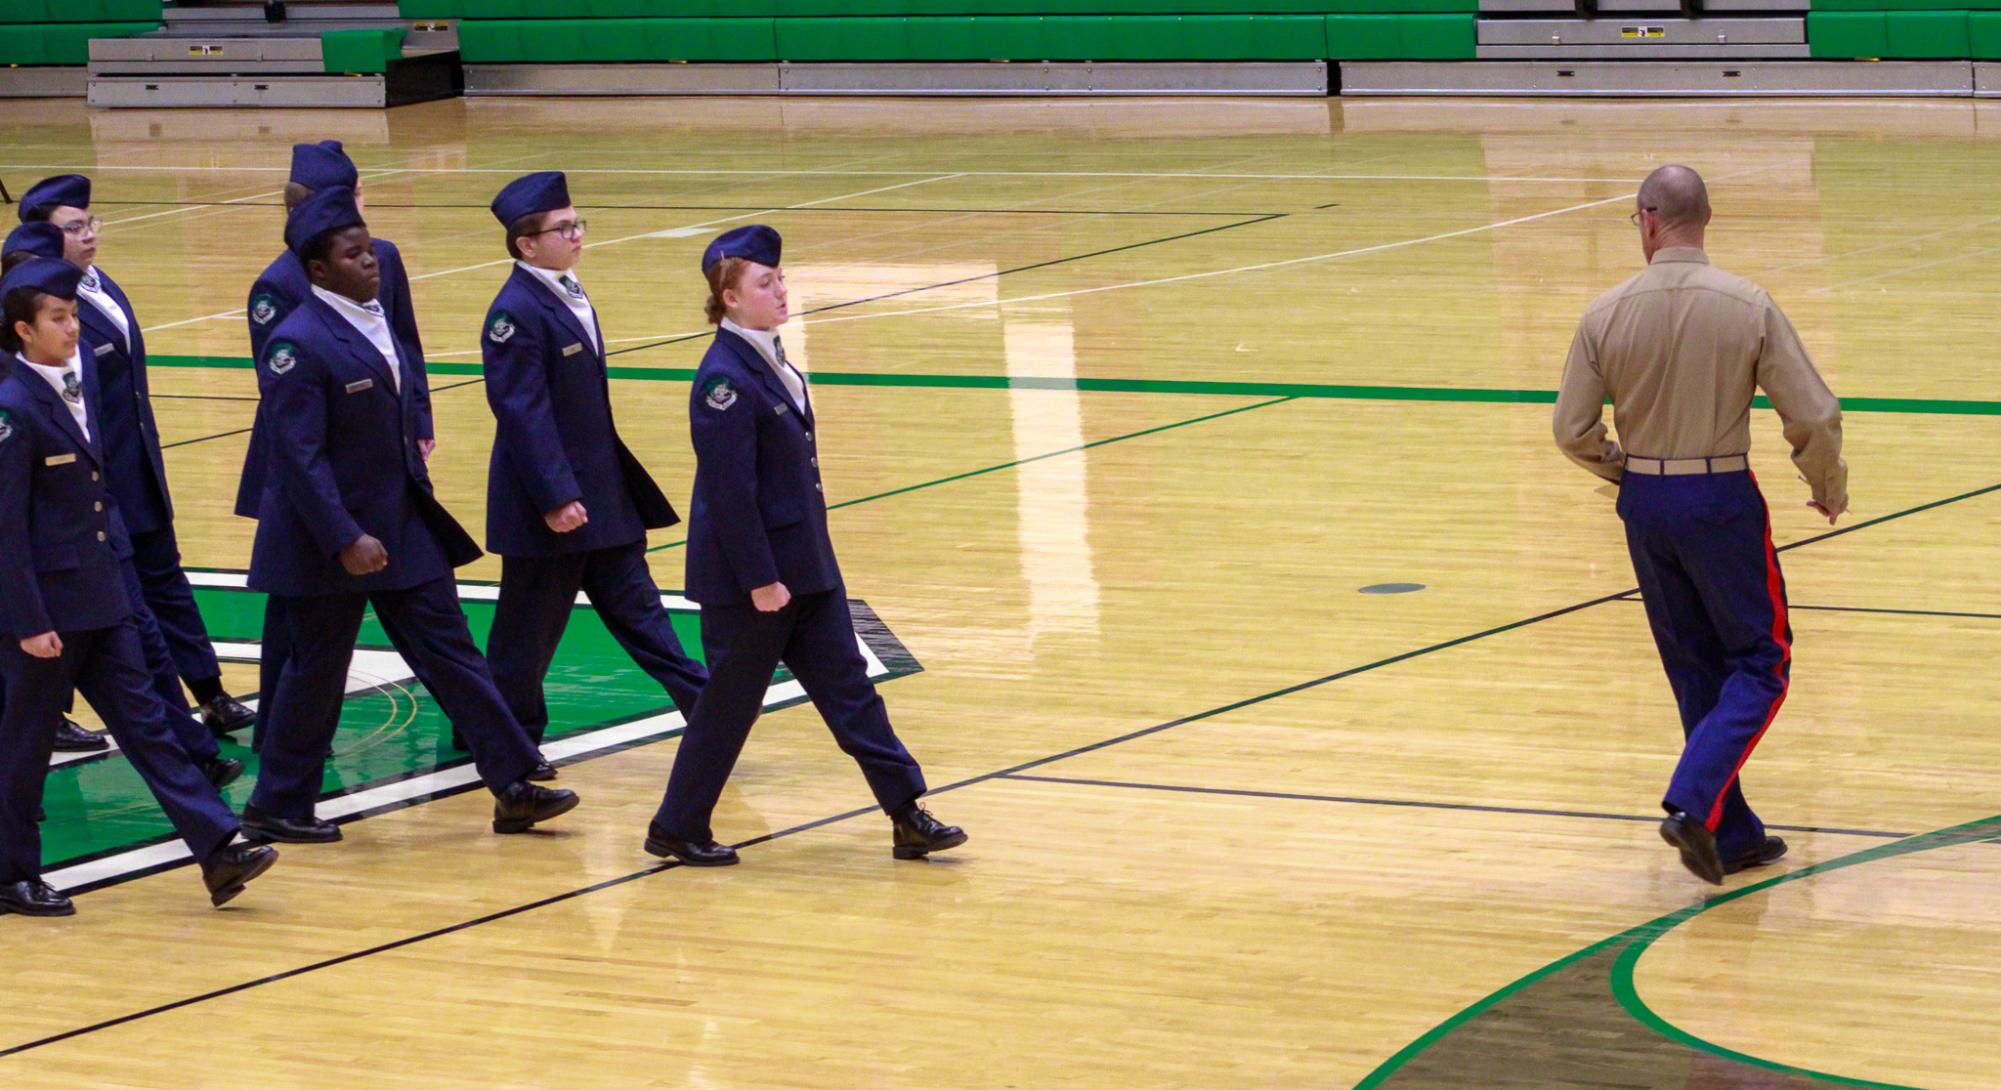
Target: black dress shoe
522,805
1697,846
221,771
918,834
34,898
543,772
231,867
71,738
226,714
708,854
261,827
1764,855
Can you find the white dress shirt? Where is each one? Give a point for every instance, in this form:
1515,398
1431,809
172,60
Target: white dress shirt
67,381
91,289
576,300
773,350
369,319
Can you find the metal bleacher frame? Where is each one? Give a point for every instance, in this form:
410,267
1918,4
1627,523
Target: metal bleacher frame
1657,48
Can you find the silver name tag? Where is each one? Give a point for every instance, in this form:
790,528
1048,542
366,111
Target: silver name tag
572,350
778,410
105,348
364,384
59,460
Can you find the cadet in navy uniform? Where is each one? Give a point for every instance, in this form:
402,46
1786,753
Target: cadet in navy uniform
26,243
65,615
278,292
348,522
567,505
762,565
135,471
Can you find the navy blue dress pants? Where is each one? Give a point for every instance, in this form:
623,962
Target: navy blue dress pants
157,555
107,666
537,596
814,636
189,731
426,625
1716,600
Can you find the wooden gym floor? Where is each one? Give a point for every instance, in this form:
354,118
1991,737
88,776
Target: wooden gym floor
1124,405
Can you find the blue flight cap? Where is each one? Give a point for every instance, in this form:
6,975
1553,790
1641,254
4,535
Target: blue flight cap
50,193
323,166
754,243
43,239
326,211
57,278
543,191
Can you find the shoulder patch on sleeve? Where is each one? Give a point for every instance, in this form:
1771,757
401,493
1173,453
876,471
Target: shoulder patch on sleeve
282,358
6,426
263,308
718,394
501,328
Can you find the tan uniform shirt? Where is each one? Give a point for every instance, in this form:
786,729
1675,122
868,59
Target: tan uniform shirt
1680,349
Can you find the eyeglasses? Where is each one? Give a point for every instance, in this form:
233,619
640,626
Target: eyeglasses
90,226
1634,219
571,231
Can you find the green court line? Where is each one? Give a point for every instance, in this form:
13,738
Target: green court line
1626,990
1331,391
1637,939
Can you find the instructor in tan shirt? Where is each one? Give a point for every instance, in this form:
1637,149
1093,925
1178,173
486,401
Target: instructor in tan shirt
1680,349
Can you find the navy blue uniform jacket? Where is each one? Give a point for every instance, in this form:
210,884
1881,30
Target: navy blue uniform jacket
760,513
555,441
60,534
276,294
343,462
121,419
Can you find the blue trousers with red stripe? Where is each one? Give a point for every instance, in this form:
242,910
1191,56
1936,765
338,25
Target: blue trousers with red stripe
1716,600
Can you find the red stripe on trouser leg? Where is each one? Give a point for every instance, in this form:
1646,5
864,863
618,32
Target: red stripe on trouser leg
1775,587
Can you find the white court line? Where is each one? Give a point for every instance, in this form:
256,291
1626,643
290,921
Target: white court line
674,232
671,232
1890,245
1308,259
1838,285
705,172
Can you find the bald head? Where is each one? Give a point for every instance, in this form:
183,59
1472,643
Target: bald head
1677,197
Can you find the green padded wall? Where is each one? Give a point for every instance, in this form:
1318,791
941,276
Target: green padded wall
572,41
1847,34
1928,35
360,50
1400,37
60,43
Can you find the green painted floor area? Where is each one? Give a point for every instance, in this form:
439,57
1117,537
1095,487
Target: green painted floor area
100,806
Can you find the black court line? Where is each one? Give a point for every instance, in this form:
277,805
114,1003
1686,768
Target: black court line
1265,217
731,208
1013,771
246,431
1419,804
206,438
1795,606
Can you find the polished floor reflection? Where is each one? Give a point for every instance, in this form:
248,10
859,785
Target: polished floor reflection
1122,403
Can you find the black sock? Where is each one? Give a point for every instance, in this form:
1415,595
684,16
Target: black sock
902,813
205,689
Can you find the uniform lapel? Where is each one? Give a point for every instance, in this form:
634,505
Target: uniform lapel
363,348
102,329
137,346
564,315
60,413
